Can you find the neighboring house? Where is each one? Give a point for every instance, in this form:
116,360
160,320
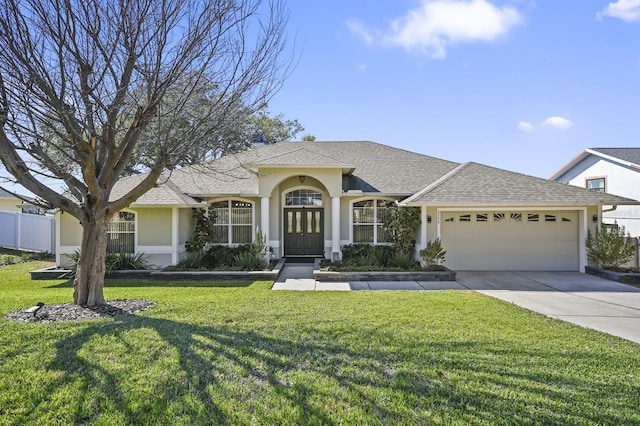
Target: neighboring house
611,170
311,198
9,202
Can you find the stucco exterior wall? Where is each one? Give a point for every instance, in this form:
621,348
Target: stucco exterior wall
619,180
9,205
70,230
185,224
154,226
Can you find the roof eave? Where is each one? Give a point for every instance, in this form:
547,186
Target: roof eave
572,163
515,204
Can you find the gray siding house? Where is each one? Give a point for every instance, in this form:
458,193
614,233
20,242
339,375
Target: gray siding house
609,170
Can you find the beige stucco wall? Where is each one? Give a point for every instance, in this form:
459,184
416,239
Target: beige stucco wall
70,230
270,179
154,226
185,225
9,205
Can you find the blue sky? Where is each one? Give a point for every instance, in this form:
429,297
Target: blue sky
517,84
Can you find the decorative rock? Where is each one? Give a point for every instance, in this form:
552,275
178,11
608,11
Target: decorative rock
71,312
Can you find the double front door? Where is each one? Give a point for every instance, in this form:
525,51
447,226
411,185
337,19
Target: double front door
303,231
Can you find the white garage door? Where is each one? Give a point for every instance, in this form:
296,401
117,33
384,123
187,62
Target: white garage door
524,241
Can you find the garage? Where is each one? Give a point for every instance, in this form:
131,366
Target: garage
511,240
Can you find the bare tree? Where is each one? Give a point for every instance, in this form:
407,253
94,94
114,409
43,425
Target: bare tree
96,74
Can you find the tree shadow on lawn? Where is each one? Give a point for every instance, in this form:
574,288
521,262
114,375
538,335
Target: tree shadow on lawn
224,374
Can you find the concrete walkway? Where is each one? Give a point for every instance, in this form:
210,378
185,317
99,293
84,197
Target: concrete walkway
574,297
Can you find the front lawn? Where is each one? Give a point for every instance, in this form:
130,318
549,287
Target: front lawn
237,353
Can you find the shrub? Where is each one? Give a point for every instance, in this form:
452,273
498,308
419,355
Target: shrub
433,254
401,225
8,259
191,262
115,261
221,256
247,261
610,247
126,261
367,255
352,253
403,261
382,254
203,230
259,249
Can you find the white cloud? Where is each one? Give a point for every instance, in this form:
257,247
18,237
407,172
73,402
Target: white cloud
627,10
360,30
363,67
438,24
526,127
557,123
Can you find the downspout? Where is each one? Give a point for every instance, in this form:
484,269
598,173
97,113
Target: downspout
613,208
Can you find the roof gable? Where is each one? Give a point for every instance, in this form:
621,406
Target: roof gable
477,184
375,168
629,157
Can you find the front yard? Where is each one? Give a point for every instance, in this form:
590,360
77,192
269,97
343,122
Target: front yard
237,353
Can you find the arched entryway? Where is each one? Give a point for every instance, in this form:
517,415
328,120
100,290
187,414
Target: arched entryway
303,223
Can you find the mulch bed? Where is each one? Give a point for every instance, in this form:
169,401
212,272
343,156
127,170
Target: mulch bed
71,312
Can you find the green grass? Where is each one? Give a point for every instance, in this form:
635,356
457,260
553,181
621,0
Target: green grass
241,354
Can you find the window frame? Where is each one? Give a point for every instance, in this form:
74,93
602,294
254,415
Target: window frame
375,224
230,225
589,180
133,233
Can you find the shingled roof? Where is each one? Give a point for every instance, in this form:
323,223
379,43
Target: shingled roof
473,184
631,155
368,167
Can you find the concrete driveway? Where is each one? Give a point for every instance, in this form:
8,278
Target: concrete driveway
581,299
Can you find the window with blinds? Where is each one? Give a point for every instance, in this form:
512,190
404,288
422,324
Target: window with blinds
121,232
233,221
369,217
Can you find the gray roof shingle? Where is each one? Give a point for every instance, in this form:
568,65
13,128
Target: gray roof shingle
477,184
632,155
370,168
377,168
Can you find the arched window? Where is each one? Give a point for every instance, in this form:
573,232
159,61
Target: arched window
121,231
369,217
303,197
233,222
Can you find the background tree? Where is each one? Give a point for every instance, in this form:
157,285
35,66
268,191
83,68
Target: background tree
269,130
81,83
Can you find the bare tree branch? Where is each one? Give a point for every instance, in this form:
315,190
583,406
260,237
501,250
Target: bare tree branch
84,80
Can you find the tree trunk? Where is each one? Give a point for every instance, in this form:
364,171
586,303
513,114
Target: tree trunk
89,281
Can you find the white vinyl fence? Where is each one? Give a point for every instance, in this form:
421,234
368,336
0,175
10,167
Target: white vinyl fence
23,231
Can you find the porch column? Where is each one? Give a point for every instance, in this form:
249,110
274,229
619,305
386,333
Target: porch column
423,228
335,229
264,218
583,229
175,235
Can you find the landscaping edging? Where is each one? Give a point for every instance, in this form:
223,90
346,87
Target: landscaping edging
54,273
621,277
447,275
